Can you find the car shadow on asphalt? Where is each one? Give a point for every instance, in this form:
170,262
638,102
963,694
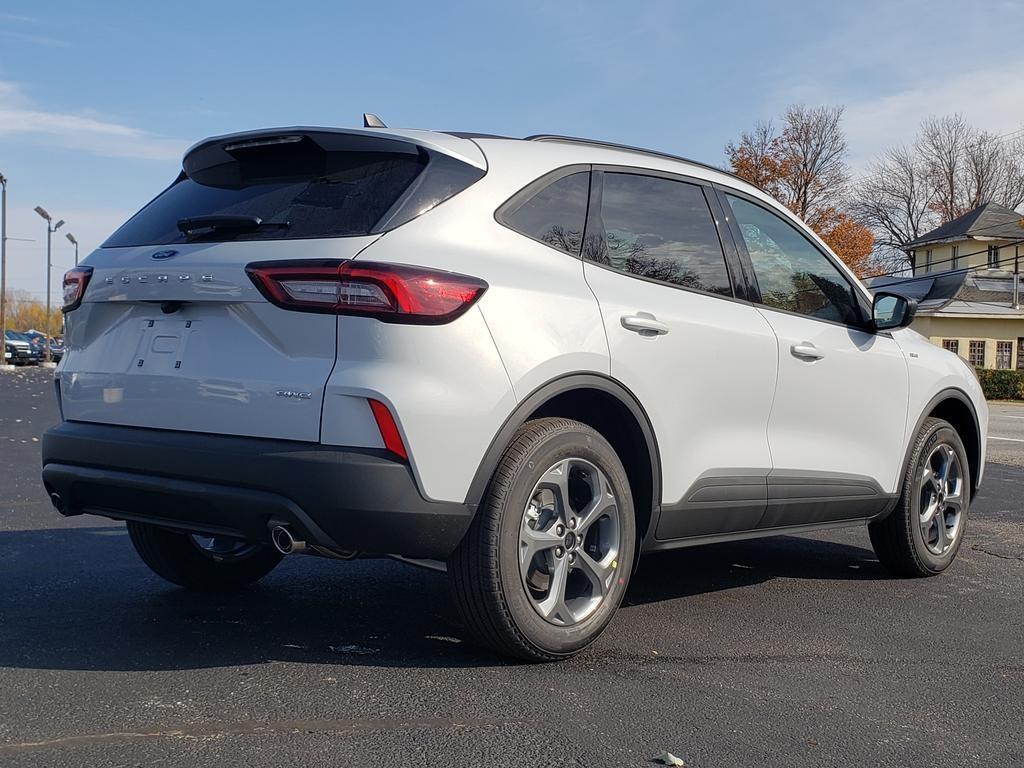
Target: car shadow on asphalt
79,598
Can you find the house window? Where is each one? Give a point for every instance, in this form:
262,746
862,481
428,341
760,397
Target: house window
956,257
976,353
993,257
928,260
1004,355
953,345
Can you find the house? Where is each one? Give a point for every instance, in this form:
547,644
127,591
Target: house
966,283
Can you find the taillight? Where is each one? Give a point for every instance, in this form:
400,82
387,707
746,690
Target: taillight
388,429
75,281
394,293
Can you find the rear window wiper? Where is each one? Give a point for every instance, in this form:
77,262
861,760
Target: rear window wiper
203,225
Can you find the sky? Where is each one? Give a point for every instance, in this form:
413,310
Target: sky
99,100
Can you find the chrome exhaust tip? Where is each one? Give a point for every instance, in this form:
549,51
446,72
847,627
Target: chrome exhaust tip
58,502
284,542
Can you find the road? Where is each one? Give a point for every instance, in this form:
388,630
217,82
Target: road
783,652
1006,433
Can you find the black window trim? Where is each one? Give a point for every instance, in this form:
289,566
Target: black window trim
517,199
864,302
594,221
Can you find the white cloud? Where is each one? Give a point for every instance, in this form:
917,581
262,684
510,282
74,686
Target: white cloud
19,117
991,99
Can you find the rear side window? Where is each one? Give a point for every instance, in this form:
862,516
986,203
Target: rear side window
297,190
792,274
663,230
555,215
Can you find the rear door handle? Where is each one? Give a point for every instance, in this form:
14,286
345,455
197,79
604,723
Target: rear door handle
645,324
806,351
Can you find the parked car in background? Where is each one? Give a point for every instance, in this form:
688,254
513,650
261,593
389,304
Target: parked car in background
23,352
38,340
532,361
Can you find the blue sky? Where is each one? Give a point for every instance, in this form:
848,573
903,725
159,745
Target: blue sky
98,100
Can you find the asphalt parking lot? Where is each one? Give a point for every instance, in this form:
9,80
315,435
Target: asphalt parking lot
780,652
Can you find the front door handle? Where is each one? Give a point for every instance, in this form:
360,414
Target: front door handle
645,324
806,351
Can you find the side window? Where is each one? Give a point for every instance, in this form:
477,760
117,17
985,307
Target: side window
663,230
791,272
555,215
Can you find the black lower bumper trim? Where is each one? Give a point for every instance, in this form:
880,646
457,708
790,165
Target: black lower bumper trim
340,498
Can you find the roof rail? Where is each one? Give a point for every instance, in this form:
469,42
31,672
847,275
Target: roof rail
639,150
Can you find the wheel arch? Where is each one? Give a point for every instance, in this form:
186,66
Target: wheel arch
607,406
955,406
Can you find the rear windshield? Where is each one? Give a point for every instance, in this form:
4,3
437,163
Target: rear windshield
297,190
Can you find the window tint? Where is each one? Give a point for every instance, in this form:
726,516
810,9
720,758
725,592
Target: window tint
302,193
793,274
663,230
555,215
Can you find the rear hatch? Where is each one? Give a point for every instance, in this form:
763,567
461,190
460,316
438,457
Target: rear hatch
173,334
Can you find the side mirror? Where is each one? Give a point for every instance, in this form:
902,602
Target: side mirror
891,311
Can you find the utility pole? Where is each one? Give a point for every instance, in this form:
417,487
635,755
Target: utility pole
50,229
3,263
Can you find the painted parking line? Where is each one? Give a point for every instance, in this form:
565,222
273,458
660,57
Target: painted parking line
1007,439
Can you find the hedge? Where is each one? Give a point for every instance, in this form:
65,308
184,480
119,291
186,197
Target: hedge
1001,385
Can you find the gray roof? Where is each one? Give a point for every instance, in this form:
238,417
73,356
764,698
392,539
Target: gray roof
988,220
954,293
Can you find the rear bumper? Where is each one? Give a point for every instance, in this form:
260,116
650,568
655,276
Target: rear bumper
340,498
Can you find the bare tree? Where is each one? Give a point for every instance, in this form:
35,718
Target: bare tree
894,199
815,177
942,146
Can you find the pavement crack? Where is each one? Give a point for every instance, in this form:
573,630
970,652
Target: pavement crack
985,551
252,727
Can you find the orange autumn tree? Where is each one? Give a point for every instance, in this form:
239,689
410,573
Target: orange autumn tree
804,167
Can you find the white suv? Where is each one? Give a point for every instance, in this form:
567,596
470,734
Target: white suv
532,360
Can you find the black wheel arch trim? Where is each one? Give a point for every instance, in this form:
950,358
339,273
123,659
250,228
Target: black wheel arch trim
543,394
945,394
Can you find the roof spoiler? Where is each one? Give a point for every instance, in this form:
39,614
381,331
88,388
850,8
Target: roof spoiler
216,150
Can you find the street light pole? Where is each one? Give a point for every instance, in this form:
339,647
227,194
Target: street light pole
3,262
71,239
50,229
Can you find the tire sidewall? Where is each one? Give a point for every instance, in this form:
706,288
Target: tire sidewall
938,433
548,638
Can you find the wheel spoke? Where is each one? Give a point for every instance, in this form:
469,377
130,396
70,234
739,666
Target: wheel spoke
553,606
557,480
942,540
603,502
600,573
532,541
949,458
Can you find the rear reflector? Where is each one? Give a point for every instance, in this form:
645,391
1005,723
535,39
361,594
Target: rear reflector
394,293
388,429
75,281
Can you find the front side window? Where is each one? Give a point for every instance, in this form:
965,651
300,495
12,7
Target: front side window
792,274
555,215
662,230
976,353
1004,355
953,345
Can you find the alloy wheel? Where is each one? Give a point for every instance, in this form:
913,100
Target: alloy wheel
941,499
569,542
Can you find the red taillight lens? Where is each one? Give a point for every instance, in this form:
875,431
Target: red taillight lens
395,293
75,281
388,429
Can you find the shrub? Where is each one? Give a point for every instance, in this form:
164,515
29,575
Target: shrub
1002,385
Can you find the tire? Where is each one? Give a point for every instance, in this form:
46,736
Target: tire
180,559
547,460
907,545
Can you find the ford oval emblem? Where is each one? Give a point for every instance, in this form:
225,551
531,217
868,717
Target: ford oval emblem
164,254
